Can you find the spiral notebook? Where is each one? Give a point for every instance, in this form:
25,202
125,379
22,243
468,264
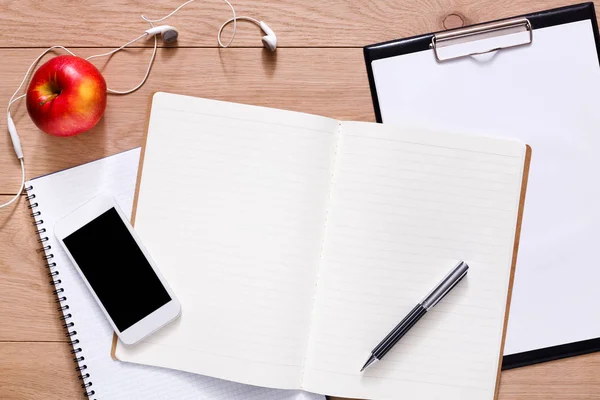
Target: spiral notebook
295,242
52,197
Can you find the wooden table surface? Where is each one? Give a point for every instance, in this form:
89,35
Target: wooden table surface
318,68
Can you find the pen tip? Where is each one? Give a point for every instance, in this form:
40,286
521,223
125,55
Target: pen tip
370,361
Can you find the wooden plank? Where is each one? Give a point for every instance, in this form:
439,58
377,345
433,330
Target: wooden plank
575,378
297,23
46,370
336,86
37,371
27,309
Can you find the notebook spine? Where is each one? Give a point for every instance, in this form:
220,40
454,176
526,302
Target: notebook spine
59,292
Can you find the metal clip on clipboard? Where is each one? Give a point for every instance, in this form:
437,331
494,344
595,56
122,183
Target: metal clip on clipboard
481,39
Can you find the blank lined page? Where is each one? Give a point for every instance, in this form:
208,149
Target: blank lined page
405,207
231,206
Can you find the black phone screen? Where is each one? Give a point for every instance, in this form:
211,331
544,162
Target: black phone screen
117,269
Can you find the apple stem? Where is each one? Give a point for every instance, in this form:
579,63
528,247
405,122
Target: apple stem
46,99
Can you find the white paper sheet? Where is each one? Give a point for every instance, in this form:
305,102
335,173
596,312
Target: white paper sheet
546,95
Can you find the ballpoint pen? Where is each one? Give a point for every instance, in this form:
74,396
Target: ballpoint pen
449,281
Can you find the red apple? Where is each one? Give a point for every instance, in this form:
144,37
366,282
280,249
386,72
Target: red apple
66,96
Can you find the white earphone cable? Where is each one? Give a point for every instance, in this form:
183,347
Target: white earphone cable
120,48
245,18
10,103
145,78
14,99
16,196
168,15
151,22
234,19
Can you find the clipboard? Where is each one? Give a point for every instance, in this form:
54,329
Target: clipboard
531,77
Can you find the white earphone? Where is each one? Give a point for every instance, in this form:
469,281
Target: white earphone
169,34
270,40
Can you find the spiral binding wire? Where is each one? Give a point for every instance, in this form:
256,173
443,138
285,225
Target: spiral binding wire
54,275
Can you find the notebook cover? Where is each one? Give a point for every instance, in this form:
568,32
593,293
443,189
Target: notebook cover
514,261
540,19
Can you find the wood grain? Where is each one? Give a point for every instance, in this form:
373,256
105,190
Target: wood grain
575,378
318,69
37,371
290,79
297,23
27,309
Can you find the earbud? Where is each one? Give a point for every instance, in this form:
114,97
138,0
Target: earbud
168,33
270,40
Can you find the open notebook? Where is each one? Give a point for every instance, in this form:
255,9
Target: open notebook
296,242
55,196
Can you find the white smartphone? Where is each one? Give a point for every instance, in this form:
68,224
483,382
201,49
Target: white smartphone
117,269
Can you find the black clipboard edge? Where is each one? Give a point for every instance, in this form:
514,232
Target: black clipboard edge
550,353
540,19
